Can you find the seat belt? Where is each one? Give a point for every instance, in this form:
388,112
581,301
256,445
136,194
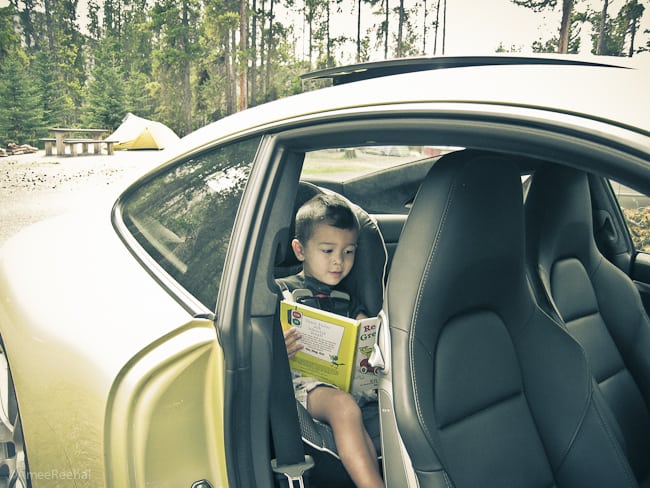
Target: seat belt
291,462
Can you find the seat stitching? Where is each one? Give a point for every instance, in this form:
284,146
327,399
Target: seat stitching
620,457
414,319
505,399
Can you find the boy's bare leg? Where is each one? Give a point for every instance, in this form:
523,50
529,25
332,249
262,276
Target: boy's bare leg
357,452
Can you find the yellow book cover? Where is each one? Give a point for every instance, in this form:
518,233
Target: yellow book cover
336,348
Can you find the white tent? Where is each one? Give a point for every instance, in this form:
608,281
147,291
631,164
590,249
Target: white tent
138,133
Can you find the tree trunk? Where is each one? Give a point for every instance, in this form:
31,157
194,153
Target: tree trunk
243,61
444,27
267,82
358,31
263,49
311,37
632,36
400,28
230,106
601,29
328,40
435,38
386,32
565,26
424,30
254,55
187,89
233,68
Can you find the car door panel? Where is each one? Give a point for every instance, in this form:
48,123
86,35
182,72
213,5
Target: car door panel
621,224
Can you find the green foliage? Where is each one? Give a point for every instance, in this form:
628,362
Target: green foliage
21,120
551,45
55,103
106,101
638,221
8,38
182,62
536,5
618,31
176,28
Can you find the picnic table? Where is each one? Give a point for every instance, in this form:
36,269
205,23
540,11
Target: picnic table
62,137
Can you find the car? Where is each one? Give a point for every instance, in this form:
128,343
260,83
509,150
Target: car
137,335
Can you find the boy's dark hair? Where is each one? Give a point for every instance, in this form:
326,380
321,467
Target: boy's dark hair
324,209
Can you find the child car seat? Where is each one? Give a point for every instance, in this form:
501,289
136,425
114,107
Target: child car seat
366,282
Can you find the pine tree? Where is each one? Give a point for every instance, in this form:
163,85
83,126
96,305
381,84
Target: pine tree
21,120
106,100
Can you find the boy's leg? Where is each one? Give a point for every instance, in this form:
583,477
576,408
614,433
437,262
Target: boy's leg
357,452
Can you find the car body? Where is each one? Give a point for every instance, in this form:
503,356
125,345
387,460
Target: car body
137,333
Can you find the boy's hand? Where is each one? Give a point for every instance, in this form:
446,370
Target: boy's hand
291,338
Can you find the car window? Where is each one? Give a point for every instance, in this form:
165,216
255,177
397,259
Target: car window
184,217
344,163
636,209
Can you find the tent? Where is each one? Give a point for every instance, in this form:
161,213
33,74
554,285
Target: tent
138,133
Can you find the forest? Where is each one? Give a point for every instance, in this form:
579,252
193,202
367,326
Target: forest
185,63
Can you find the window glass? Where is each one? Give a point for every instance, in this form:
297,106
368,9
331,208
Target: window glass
340,164
183,218
636,209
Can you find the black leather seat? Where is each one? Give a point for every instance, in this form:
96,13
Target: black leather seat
487,389
599,304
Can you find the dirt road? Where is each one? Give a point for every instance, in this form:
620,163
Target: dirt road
34,186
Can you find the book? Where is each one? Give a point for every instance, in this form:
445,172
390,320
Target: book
336,349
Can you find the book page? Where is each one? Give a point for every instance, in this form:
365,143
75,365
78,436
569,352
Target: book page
320,339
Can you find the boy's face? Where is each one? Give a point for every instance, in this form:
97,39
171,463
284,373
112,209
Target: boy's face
328,255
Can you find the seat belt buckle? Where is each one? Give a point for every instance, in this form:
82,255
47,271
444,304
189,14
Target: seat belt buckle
294,473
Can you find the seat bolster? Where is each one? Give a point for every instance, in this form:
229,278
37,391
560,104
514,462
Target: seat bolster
371,257
422,443
620,306
595,446
574,425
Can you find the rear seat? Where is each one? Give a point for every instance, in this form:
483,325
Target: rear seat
597,303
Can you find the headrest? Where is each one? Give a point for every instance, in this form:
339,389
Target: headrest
462,246
287,264
559,215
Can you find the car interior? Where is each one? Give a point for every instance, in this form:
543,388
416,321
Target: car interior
498,263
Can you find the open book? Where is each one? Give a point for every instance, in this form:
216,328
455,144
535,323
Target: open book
336,348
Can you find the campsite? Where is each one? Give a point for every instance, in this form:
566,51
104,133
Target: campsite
139,133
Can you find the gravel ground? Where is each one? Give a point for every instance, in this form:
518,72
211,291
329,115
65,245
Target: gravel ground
34,187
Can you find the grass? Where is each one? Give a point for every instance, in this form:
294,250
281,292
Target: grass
350,162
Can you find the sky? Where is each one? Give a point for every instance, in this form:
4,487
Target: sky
493,22
480,26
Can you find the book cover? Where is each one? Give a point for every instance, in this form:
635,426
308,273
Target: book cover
336,348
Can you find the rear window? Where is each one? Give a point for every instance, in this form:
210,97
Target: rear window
184,217
344,163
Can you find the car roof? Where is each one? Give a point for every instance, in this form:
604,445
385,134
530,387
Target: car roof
609,90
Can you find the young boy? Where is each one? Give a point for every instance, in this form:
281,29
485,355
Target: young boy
326,239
